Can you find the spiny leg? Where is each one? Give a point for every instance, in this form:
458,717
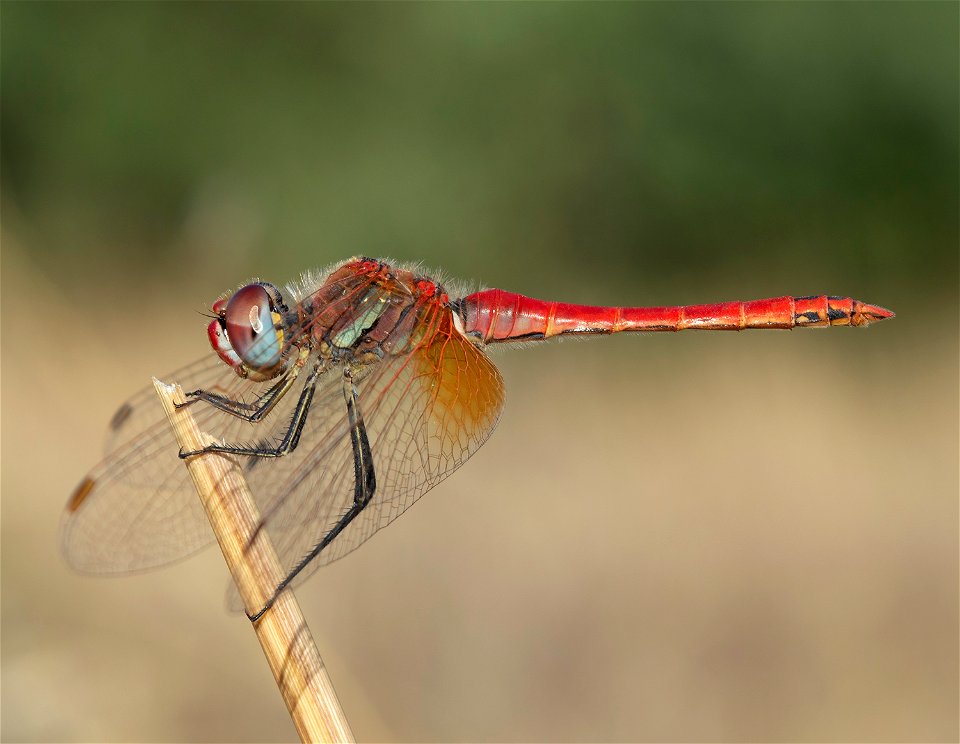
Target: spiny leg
364,487
291,437
256,411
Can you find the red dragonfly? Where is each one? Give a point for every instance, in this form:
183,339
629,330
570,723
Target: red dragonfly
368,384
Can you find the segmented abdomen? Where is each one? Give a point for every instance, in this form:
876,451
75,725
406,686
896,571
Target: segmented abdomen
494,315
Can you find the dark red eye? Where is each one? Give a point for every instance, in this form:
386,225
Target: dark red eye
250,327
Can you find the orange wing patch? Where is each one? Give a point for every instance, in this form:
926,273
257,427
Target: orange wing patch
465,388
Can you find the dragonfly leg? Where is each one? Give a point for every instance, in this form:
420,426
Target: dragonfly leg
364,487
291,437
256,411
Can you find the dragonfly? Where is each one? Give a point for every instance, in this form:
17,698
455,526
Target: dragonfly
346,397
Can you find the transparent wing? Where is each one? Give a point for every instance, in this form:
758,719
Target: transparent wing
425,413
137,508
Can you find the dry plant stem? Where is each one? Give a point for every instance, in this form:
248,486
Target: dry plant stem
282,631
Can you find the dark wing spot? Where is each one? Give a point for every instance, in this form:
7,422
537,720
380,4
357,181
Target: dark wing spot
122,414
80,494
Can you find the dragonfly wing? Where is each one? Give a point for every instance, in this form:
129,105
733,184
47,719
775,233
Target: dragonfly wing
137,508
425,413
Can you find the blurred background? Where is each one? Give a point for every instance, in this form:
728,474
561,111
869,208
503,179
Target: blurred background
695,537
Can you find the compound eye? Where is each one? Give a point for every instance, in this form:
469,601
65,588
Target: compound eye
252,330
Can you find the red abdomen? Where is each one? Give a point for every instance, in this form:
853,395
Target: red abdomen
493,315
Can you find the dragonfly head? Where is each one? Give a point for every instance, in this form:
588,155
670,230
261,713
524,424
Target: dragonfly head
248,332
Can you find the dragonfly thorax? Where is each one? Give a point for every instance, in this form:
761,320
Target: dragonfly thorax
369,307
361,318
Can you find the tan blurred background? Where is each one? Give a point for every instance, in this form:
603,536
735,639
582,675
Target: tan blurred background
669,538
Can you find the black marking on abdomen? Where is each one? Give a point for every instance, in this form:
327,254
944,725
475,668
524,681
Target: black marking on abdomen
601,331
835,314
811,315
533,336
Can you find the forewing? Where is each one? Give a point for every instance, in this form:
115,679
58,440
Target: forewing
425,411
137,508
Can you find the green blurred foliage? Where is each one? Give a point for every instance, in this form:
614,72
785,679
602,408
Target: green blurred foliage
620,143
